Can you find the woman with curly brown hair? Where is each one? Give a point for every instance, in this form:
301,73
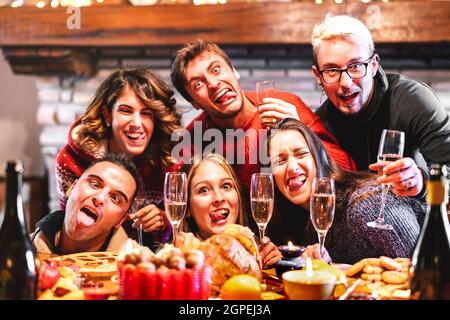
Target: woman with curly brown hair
133,112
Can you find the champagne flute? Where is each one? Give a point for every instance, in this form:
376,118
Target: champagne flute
321,209
175,198
266,89
262,198
139,203
390,149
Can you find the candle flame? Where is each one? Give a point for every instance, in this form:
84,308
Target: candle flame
309,267
290,246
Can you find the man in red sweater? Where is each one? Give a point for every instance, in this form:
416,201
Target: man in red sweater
204,76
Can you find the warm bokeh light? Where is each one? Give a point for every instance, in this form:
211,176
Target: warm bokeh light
16,3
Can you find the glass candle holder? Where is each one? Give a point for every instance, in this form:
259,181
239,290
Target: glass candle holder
291,260
291,251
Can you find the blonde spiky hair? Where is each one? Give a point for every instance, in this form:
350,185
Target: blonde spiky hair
341,27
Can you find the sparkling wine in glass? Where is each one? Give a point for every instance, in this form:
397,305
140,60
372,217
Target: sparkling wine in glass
261,200
175,198
266,89
322,204
390,149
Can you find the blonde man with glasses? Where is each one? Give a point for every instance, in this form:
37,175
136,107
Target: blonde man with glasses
362,100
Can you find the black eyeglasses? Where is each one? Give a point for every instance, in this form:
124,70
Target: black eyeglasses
356,70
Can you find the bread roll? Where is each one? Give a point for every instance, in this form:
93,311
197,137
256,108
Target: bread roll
230,253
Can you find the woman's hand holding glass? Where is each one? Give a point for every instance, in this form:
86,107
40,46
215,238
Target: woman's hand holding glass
150,217
269,252
138,204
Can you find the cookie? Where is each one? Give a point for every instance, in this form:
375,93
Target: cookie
372,269
394,277
390,264
356,268
371,277
374,285
373,261
393,287
404,262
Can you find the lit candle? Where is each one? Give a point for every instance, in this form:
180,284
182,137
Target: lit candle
309,268
290,250
309,276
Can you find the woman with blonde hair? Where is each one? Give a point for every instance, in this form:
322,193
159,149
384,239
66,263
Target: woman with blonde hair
214,201
133,112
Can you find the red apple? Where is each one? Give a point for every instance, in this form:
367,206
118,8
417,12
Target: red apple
48,276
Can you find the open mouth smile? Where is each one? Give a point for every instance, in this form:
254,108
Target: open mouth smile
135,135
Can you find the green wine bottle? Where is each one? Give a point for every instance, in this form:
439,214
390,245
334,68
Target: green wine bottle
18,279
431,259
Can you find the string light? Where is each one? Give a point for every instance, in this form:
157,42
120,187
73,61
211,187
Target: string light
82,3
17,3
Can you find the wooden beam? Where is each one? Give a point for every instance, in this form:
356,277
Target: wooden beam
50,61
238,23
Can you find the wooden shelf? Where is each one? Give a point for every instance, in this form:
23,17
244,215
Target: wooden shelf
39,41
237,23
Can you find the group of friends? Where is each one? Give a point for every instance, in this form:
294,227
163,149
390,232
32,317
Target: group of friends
122,146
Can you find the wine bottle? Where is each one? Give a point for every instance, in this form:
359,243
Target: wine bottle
18,277
431,259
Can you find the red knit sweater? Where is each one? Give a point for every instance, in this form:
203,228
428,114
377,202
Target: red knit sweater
251,150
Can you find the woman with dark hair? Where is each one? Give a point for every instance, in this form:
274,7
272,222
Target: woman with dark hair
133,112
215,201
297,156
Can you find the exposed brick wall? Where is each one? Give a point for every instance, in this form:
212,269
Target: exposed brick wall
62,100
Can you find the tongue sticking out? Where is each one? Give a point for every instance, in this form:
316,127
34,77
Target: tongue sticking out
226,96
217,217
296,183
85,219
